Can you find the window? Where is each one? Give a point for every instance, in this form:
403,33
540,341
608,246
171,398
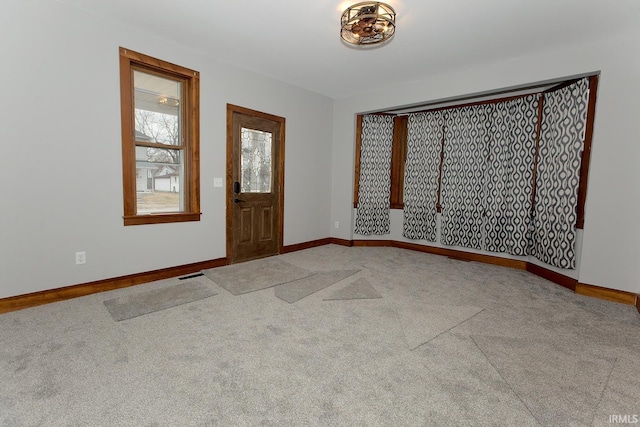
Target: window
507,175
256,161
160,140
400,137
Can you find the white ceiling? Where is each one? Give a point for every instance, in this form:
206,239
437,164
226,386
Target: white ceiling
297,41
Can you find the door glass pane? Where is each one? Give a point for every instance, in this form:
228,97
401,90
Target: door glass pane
256,161
157,105
159,180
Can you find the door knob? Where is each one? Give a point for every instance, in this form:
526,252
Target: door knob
237,201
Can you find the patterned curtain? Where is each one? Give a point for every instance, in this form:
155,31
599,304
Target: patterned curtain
564,120
467,138
421,173
509,175
372,216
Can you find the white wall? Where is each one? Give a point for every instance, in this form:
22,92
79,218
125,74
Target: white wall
611,239
60,136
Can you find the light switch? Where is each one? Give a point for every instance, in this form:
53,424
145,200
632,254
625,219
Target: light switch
217,182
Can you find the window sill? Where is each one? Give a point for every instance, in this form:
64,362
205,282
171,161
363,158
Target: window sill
161,218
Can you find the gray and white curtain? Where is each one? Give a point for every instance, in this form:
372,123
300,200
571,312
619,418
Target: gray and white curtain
421,175
564,121
463,175
372,216
509,175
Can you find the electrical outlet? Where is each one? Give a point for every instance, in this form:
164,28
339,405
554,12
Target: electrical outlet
81,257
336,224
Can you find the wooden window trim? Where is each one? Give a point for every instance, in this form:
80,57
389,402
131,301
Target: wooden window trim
356,184
130,60
398,159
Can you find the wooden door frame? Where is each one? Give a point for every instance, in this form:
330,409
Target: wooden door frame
231,110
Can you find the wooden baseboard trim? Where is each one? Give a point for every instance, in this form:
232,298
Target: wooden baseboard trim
614,295
557,278
552,276
451,253
20,302
464,256
315,243
305,245
341,242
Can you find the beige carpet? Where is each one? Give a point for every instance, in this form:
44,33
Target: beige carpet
360,289
297,289
255,275
158,299
449,344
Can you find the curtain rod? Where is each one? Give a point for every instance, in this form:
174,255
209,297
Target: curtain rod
543,85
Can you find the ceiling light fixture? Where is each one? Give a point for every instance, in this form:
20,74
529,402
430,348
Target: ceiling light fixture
368,23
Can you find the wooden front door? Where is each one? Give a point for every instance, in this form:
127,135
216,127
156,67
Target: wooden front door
255,179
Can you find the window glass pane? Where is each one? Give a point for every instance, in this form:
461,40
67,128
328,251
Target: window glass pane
157,104
159,180
256,161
